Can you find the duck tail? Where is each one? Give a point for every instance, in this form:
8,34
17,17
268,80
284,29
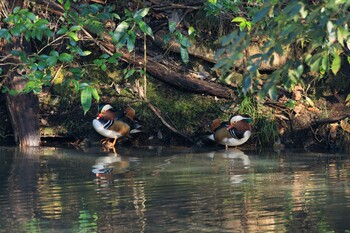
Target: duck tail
215,124
211,137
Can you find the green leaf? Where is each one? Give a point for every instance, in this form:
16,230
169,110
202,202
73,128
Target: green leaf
184,54
120,31
242,26
39,34
16,53
143,12
85,53
261,14
62,31
130,42
31,16
325,62
85,98
185,42
145,28
191,31
16,9
16,30
172,26
51,61
54,53
104,16
73,36
336,63
238,19
129,73
65,57
95,94
76,85
116,16
273,93
41,65
4,33
67,5
114,57
75,28
247,82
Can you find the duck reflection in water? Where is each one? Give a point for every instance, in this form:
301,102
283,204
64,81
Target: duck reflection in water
229,159
106,167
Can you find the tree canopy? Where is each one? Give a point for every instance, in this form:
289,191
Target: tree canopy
62,40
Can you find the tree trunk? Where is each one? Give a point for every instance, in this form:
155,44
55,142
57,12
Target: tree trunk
23,108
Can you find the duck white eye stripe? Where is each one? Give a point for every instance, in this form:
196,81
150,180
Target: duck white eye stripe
106,107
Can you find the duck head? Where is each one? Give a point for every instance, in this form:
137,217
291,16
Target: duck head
105,112
241,123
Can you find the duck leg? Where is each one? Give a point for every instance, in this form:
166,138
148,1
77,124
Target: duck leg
108,145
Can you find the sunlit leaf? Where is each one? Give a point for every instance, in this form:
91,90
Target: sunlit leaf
336,63
242,26
84,53
95,94
191,31
238,19
142,13
145,28
85,98
73,36
120,31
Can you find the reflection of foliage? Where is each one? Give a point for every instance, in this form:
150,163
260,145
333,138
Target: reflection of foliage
87,221
32,226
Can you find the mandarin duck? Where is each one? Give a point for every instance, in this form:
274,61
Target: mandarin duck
115,124
234,132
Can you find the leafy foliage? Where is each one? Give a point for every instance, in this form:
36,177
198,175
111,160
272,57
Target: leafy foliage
63,44
126,31
319,28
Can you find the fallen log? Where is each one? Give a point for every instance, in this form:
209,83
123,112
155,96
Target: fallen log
208,54
183,79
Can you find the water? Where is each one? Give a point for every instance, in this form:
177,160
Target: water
173,190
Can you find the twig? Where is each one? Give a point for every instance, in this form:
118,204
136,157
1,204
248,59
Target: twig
158,114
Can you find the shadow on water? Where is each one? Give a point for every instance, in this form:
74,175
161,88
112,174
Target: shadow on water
173,190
